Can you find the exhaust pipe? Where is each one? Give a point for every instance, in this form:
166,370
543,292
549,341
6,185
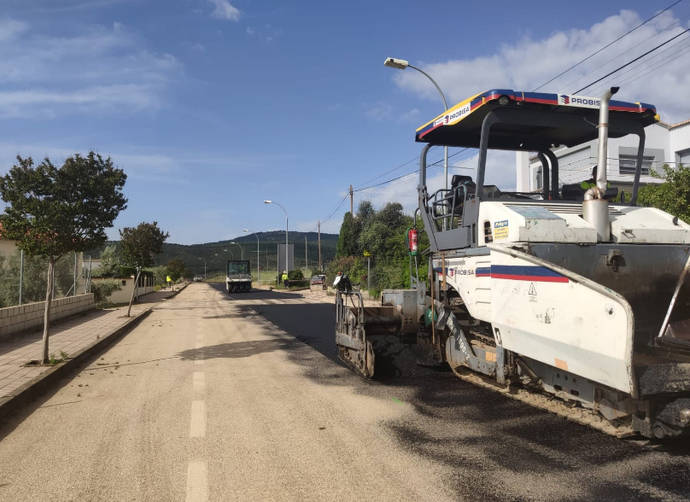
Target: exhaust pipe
595,208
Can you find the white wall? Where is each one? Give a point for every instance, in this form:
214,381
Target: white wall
522,172
662,142
123,294
30,315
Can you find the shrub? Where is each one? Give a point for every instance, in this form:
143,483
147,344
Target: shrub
295,275
103,289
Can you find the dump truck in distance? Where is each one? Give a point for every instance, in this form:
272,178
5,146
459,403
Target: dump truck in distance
238,278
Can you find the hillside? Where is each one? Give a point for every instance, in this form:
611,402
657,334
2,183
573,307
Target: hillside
215,254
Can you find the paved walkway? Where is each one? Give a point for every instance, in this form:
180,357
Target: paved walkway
69,336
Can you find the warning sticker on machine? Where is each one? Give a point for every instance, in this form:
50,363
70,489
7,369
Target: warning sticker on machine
501,229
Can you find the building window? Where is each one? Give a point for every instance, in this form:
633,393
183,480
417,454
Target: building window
627,164
683,157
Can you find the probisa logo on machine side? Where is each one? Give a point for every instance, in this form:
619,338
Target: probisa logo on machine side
584,101
454,116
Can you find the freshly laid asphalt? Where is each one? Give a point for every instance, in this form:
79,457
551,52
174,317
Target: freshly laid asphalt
217,397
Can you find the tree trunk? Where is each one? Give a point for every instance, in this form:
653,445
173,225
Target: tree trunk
46,311
134,290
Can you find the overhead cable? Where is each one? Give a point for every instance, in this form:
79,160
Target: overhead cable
608,45
632,61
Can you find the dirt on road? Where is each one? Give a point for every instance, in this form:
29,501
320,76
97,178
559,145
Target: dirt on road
237,397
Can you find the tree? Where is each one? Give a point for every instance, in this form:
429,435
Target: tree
52,211
365,212
672,196
138,245
110,262
349,236
176,269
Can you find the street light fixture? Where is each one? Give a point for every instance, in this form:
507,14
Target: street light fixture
401,64
258,252
268,201
241,249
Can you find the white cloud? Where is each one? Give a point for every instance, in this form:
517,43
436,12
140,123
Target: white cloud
379,111
266,33
661,78
225,10
151,166
412,115
111,97
102,68
10,28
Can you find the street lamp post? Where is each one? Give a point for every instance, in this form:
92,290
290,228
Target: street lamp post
241,249
401,64
258,252
286,231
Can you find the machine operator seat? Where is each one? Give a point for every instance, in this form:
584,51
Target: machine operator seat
461,187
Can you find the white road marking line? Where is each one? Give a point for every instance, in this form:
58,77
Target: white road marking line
199,382
197,425
197,481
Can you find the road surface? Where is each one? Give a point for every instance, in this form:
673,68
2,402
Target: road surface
241,398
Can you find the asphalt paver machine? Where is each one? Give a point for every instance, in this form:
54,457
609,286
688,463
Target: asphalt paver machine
558,293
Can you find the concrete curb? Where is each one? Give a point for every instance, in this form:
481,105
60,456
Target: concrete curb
44,382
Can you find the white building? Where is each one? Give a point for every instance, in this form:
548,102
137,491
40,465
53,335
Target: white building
664,144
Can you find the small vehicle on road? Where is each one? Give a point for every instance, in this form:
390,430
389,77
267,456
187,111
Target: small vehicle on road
238,278
317,281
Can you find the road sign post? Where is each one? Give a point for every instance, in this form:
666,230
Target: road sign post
368,255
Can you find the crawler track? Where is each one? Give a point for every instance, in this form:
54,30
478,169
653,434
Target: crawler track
549,403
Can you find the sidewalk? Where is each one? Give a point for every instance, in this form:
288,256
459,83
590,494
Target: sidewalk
71,336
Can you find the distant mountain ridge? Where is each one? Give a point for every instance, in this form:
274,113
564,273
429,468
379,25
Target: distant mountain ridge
216,254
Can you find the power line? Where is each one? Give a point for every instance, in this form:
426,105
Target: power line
390,170
632,61
336,208
654,38
678,51
609,44
670,49
433,164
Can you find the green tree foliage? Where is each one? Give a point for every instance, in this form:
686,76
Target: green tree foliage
176,269
349,237
672,196
52,211
383,234
365,212
34,278
138,247
110,263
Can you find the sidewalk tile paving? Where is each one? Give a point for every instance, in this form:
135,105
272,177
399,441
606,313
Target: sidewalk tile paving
69,336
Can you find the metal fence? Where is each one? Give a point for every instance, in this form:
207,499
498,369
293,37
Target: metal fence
23,278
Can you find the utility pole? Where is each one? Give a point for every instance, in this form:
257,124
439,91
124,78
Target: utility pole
319,232
306,253
74,282
352,202
21,274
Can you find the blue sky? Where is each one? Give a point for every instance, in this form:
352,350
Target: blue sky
212,106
